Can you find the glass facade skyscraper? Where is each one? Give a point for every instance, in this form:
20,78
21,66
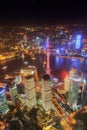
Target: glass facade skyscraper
3,102
30,91
46,93
73,91
14,92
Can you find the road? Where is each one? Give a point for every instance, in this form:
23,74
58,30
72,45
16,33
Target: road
67,121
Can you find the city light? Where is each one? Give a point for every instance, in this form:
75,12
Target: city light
21,71
78,41
64,73
46,83
74,78
47,43
58,51
2,91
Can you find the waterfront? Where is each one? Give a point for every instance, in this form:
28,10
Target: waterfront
59,66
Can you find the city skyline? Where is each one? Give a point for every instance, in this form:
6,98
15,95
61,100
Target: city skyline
35,96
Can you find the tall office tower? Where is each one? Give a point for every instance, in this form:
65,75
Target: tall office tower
73,91
13,92
37,82
3,101
30,89
18,79
46,92
78,41
72,72
66,83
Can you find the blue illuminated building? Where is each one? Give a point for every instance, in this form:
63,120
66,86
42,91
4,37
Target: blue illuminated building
3,102
46,43
14,93
78,42
61,50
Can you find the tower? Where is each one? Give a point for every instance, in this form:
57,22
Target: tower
48,57
46,92
18,79
73,91
72,72
30,88
25,40
66,83
78,42
3,101
14,92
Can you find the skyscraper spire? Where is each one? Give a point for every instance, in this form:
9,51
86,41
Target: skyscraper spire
48,70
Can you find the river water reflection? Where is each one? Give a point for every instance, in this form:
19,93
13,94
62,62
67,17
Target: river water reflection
58,66
61,65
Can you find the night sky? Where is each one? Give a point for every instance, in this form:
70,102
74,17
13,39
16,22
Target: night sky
43,10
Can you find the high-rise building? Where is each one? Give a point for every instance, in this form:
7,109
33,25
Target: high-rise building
66,83
78,41
73,91
46,92
13,92
30,88
30,91
18,79
72,72
3,101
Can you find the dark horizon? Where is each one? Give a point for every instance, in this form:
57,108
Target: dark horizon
40,21
42,11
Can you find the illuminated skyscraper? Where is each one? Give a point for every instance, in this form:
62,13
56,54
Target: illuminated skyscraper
78,42
46,92
25,40
14,92
72,72
66,83
18,79
73,91
30,89
3,101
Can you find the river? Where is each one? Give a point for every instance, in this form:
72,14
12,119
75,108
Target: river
59,66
